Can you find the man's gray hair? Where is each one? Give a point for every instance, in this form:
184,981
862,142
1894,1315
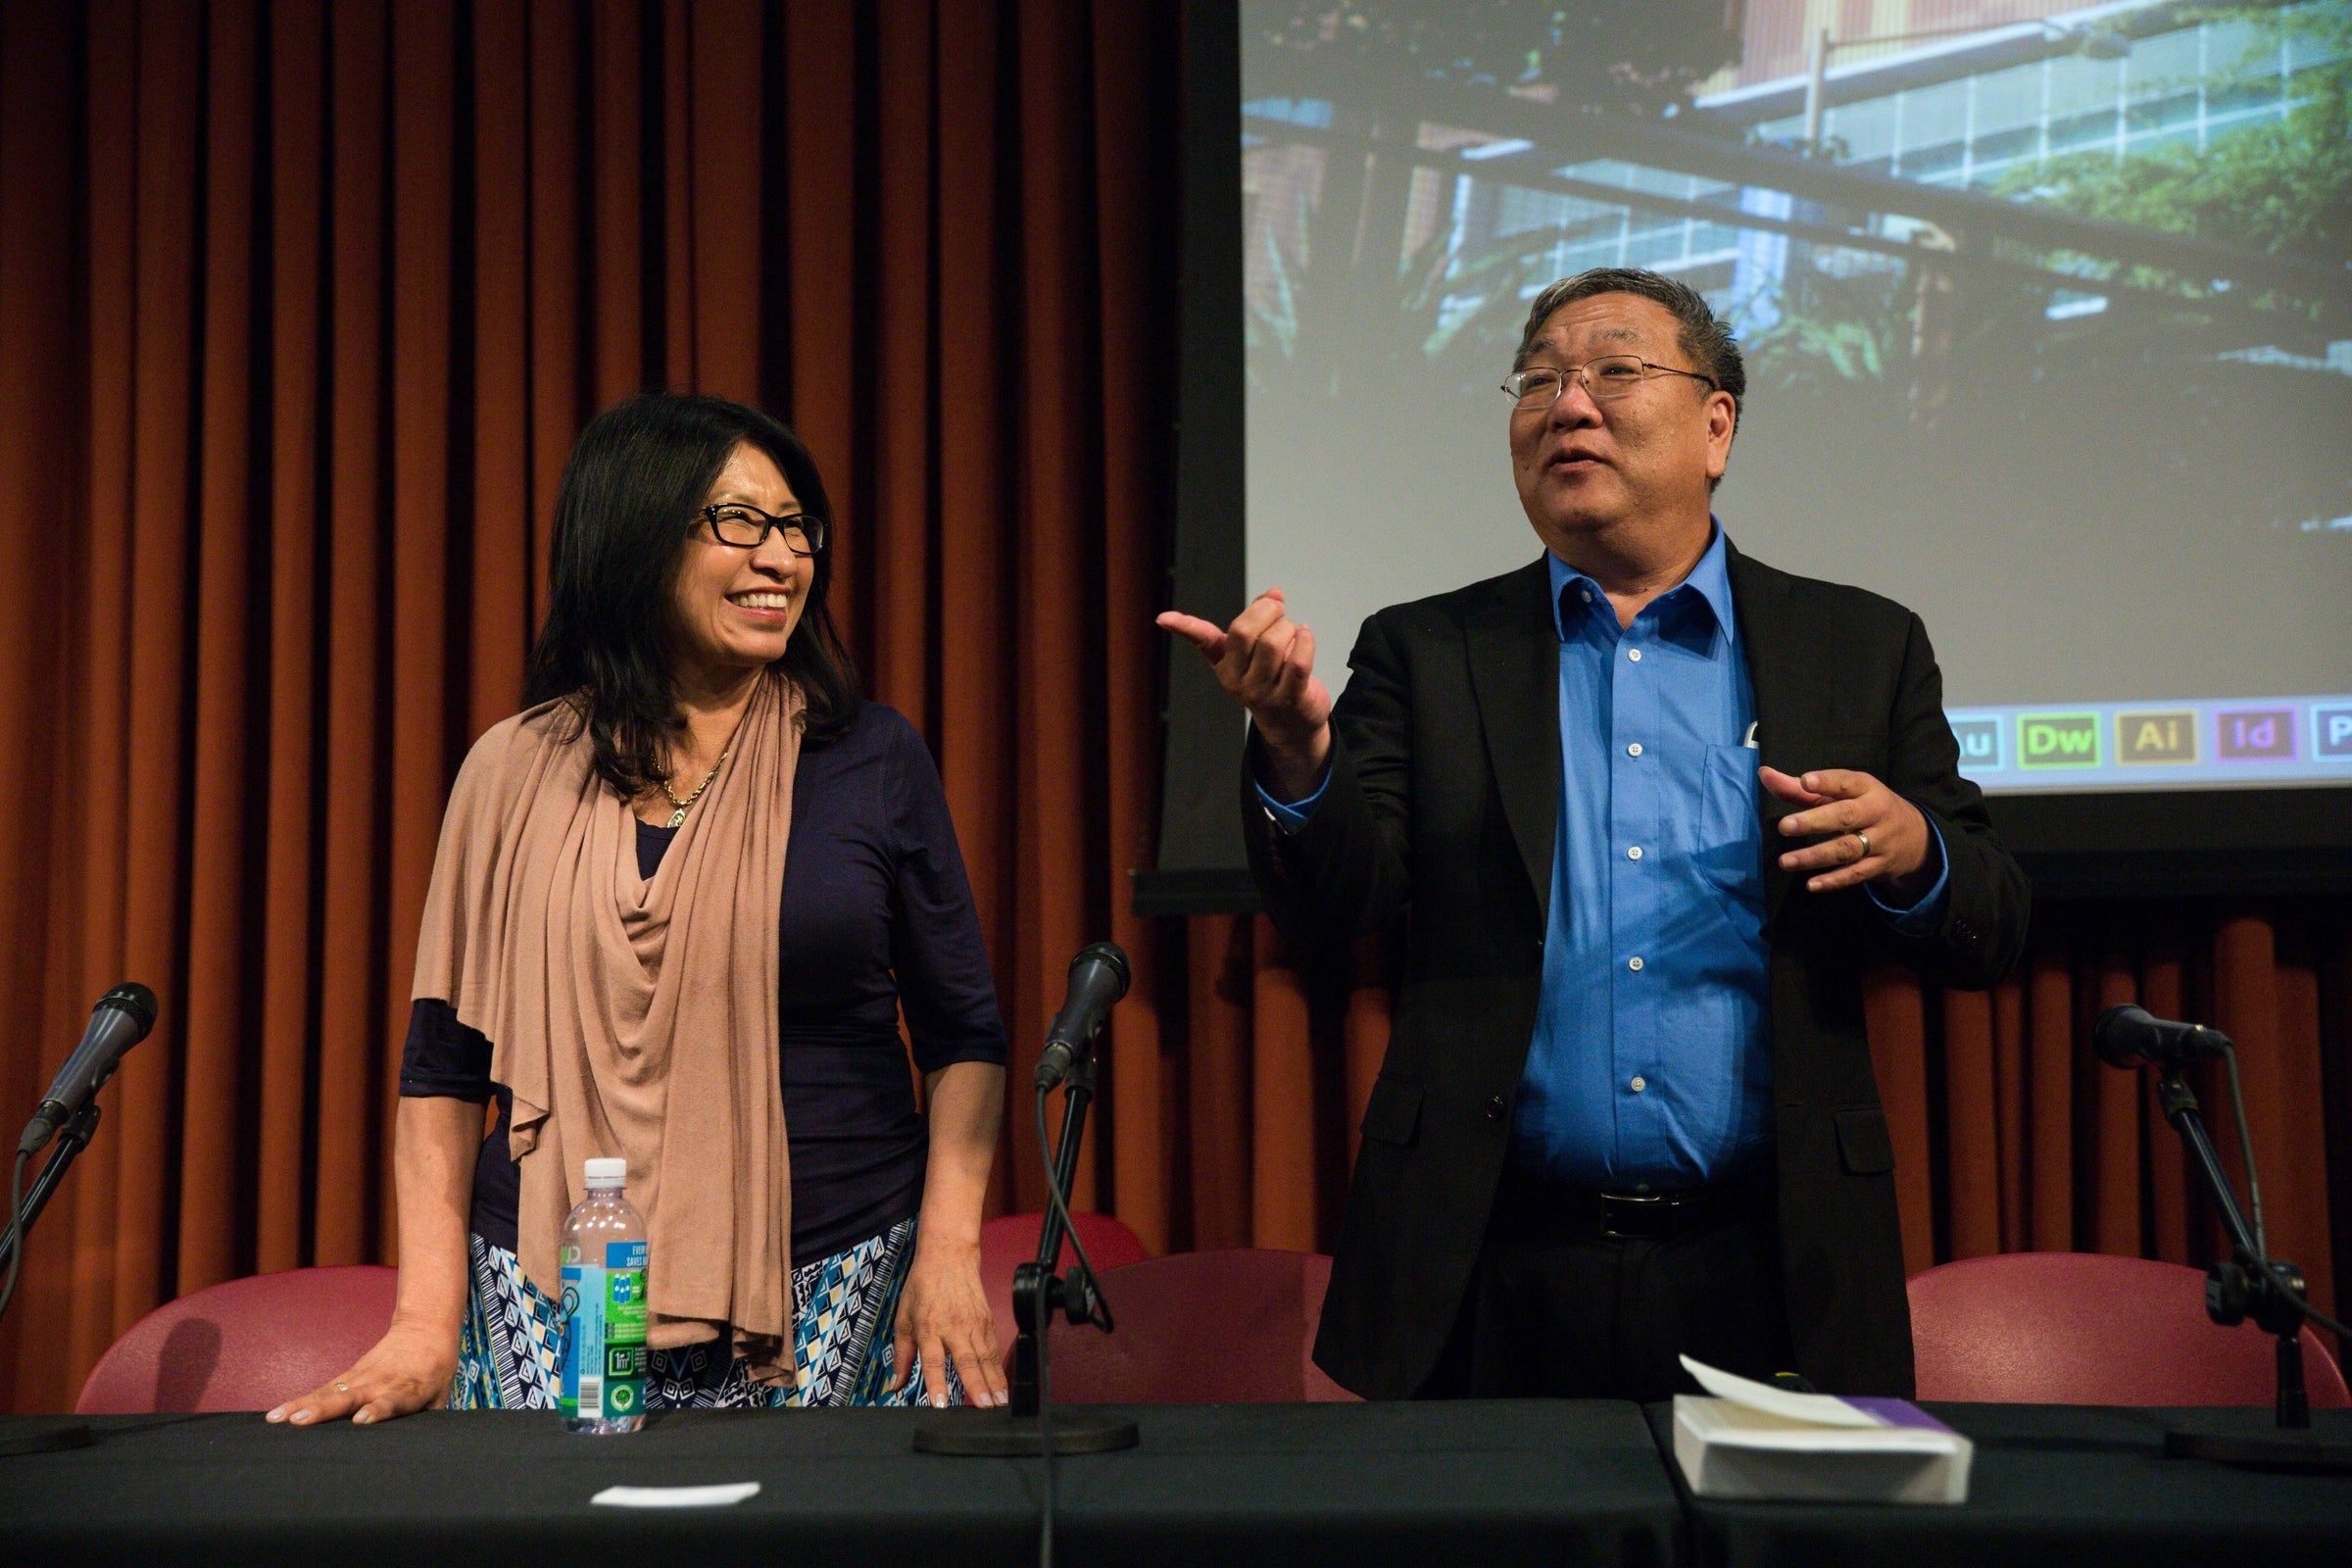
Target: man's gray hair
1699,333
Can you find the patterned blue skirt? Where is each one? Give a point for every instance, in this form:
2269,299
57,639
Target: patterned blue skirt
510,1347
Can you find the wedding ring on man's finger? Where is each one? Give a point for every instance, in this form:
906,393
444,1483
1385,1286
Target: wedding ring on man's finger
1865,838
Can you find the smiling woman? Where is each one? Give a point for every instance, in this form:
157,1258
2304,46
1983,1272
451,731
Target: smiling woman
662,542
615,951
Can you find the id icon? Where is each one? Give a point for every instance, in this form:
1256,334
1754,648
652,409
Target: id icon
2256,734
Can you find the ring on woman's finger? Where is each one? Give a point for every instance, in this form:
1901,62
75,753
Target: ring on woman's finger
342,1387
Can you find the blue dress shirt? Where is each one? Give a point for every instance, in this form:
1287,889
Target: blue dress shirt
1650,1068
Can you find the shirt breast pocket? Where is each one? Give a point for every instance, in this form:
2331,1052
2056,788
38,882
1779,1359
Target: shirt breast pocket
1727,837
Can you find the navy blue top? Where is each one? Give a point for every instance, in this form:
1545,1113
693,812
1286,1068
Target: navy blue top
878,915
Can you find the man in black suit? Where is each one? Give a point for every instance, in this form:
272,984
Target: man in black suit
1627,1112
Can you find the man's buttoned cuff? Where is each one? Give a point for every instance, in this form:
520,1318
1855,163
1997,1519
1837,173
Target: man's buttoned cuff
1290,816
1920,918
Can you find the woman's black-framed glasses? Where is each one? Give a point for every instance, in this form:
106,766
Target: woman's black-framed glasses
1612,376
747,527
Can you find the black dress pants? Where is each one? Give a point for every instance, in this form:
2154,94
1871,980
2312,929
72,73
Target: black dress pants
1557,1308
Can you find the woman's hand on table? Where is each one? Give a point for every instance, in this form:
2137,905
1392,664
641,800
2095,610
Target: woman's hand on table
408,1370
942,1314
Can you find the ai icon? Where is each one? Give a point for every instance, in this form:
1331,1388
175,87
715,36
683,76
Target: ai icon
2165,737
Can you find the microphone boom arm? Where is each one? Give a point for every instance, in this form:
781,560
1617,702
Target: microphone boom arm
72,1138
67,1116
1027,1423
2249,1284
2246,1284
2178,1102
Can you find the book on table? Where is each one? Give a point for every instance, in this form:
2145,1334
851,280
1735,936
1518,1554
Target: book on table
1749,1440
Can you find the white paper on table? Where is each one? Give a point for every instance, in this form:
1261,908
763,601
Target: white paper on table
1819,1410
723,1495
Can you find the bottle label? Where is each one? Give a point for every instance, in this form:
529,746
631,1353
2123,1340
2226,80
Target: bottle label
604,1349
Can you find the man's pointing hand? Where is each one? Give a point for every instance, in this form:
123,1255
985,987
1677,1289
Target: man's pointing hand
1266,661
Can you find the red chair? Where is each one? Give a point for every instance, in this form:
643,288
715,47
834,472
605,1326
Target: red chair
1203,1328
2079,1328
243,1345
1010,1240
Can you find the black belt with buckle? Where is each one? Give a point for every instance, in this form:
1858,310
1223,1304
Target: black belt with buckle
1532,1207
1649,1216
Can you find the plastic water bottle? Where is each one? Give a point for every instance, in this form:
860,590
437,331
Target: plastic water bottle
603,1256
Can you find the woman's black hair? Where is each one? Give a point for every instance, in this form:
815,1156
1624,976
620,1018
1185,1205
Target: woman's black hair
631,495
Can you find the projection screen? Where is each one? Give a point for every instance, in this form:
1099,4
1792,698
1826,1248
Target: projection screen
2046,313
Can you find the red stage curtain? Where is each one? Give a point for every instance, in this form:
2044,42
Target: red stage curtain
301,307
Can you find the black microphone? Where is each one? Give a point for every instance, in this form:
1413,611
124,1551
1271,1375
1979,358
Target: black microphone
119,1021
1097,979
2127,1036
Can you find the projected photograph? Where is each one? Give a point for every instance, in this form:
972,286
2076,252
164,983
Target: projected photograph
2047,312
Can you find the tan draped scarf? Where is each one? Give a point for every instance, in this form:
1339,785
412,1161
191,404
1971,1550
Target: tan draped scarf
630,1017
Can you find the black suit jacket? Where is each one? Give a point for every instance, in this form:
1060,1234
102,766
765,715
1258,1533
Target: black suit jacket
1441,806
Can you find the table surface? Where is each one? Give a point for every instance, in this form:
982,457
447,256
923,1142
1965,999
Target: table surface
1548,1481
1513,1481
2075,1485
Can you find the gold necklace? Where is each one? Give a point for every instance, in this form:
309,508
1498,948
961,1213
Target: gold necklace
678,816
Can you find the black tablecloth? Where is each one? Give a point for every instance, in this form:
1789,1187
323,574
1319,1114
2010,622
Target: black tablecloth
1504,1483
2053,1484
1513,1482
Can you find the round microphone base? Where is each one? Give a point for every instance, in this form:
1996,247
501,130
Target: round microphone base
2268,1449
1000,1433
48,1439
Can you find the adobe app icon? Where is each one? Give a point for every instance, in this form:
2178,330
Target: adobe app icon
2331,731
2255,734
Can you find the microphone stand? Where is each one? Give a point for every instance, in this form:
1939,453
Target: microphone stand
72,1138
2249,1284
1038,1293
